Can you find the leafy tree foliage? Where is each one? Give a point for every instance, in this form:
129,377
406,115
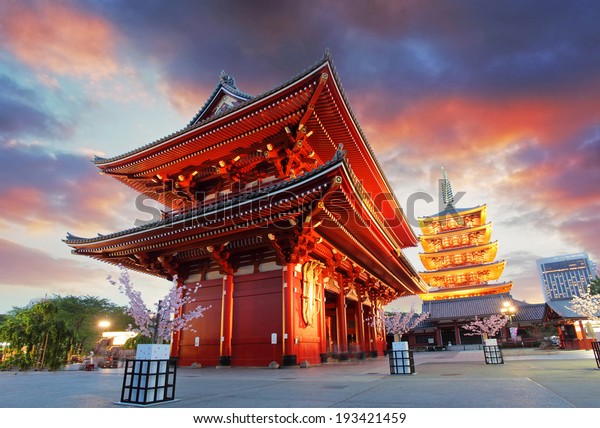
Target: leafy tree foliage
133,342
47,333
84,313
594,289
37,336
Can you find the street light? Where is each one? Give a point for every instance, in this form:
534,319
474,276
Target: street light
104,324
509,310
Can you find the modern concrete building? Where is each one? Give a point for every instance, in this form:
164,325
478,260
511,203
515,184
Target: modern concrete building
564,277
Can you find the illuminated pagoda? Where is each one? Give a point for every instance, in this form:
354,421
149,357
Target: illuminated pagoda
270,205
458,253
461,273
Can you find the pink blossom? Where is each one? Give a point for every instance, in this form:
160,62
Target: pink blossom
588,306
399,323
166,319
486,326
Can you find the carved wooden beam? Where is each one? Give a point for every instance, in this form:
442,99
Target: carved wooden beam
228,263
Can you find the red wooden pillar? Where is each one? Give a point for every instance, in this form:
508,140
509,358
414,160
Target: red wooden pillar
584,337
438,336
226,321
342,324
323,325
360,331
289,335
456,333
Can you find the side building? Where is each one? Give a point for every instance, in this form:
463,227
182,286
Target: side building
271,205
562,278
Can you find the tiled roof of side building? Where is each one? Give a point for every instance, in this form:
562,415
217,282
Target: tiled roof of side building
469,307
483,306
529,312
562,309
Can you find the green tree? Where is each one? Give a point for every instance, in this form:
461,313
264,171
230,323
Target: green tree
83,313
48,333
133,342
595,286
37,336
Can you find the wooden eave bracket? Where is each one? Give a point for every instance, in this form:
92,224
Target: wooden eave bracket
299,154
228,263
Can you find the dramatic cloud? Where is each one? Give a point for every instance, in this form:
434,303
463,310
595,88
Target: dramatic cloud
505,95
42,190
23,112
51,36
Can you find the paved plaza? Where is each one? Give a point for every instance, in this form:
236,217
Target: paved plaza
528,379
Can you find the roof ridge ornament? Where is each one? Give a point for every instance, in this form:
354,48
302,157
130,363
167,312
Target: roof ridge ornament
227,79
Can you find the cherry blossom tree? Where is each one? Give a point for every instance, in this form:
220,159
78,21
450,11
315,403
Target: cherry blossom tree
587,305
399,323
165,320
487,326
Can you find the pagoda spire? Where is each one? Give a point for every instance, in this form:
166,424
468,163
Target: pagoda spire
446,189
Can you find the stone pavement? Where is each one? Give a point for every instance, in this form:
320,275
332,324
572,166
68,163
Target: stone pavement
527,379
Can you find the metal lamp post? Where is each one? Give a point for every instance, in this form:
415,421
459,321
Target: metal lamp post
509,310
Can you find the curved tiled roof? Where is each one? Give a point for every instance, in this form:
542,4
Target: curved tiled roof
483,306
192,213
451,210
529,312
193,124
469,307
563,310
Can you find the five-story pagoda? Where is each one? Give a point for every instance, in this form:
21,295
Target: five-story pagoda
458,252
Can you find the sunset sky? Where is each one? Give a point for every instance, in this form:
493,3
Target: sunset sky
504,95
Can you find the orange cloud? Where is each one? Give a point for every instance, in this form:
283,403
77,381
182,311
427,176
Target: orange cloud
186,99
534,147
471,125
50,36
85,206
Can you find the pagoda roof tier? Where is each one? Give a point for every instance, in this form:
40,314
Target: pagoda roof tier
453,218
481,235
464,275
281,133
466,291
474,254
327,204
